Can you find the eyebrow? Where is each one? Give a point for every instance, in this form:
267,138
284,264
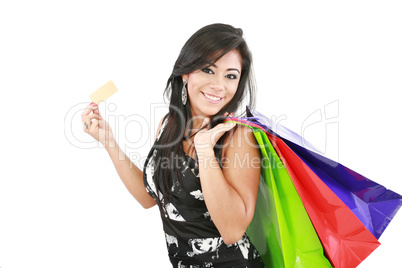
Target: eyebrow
233,69
229,69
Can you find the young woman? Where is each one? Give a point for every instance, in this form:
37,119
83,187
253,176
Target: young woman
202,173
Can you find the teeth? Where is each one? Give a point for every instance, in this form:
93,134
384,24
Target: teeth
211,97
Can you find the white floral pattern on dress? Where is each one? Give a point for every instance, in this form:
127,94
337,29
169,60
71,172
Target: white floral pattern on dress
204,245
173,213
197,195
244,246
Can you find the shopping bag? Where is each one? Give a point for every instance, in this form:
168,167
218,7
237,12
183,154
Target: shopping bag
345,239
281,229
372,203
387,203
347,242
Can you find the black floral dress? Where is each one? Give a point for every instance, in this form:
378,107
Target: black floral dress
192,239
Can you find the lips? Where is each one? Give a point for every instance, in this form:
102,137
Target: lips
212,98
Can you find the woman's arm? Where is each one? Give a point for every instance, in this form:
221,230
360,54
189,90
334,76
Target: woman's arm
130,174
230,193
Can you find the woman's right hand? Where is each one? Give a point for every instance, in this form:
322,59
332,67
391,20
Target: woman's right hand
98,128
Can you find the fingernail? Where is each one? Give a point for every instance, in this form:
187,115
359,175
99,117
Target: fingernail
94,104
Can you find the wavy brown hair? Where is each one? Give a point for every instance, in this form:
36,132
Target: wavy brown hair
204,48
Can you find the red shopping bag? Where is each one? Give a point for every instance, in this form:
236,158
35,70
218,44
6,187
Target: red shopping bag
346,241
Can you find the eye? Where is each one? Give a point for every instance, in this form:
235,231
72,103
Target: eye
207,70
231,76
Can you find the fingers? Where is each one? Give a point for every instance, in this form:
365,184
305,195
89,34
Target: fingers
94,125
229,115
220,129
96,111
101,122
93,116
92,107
90,119
228,126
223,127
207,120
87,117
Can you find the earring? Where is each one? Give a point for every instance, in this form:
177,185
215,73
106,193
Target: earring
184,93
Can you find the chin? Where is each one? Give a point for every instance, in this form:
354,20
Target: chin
211,113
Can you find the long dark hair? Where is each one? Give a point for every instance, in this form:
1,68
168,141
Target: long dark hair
204,48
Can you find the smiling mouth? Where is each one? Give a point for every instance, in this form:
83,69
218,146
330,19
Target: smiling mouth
212,98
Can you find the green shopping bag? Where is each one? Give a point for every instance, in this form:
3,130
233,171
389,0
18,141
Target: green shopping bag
281,229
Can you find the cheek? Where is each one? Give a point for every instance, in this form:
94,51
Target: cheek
192,89
231,91
193,84
197,78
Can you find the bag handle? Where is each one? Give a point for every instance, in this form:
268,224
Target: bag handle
244,122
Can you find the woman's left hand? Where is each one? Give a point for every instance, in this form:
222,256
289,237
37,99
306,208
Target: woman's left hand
205,140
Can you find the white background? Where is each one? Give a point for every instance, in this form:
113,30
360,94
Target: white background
62,203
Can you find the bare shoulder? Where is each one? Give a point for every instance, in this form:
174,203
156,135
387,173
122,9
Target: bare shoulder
242,140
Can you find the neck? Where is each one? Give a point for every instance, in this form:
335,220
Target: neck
197,123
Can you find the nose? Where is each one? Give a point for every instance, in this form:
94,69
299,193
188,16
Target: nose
217,83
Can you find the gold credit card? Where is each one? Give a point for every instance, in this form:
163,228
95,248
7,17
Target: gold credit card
104,92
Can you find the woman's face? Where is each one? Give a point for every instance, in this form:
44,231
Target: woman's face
212,87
